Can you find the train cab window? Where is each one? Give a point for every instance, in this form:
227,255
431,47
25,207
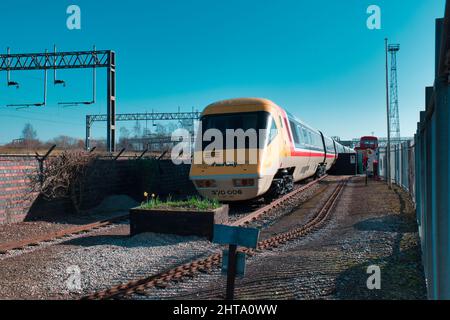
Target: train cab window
273,131
235,121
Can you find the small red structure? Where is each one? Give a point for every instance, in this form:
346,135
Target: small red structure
367,142
368,147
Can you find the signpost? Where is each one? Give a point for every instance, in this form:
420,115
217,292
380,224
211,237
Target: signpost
240,263
233,262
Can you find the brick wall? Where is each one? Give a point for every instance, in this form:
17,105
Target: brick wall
124,176
15,197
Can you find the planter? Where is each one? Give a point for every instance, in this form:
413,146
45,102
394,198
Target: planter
184,222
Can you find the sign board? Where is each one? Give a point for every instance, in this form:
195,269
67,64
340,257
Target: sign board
245,237
240,263
352,159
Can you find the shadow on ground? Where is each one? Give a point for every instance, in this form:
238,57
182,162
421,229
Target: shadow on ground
402,275
140,240
388,223
401,279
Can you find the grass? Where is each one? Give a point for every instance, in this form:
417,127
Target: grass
195,203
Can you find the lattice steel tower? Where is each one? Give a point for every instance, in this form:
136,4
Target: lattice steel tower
394,117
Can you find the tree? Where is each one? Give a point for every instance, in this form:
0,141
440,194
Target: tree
124,133
28,132
137,129
160,129
124,140
65,142
186,124
171,127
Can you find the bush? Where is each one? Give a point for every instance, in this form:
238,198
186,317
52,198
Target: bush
66,176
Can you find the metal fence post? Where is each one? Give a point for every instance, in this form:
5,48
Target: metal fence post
441,196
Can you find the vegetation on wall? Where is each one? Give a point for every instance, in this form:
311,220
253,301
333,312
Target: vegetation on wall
68,175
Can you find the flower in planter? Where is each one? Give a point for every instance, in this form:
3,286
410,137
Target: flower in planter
154,199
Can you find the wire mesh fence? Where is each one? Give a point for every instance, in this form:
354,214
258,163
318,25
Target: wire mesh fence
422,167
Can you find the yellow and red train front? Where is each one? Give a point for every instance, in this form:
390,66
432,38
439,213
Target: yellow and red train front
217,172
238,172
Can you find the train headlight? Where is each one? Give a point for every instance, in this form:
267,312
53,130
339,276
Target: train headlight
244,182
205,183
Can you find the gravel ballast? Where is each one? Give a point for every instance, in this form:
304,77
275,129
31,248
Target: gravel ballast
371,226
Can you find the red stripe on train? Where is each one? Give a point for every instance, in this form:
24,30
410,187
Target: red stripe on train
295,153
309,154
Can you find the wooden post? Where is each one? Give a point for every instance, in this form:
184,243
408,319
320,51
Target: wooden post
231,275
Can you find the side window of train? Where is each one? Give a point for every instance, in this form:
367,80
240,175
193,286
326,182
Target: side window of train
310,138
273,131
305,136
331,146
300,135
294,133
315,140
319,142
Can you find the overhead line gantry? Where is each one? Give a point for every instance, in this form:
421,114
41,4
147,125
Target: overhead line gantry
69,60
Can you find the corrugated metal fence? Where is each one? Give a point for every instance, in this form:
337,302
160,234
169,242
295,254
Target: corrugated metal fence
422,168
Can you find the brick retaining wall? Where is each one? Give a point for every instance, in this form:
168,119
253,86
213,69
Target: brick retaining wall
14,173
124,176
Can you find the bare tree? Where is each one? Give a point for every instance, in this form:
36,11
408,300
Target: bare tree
137,129
124,138
28,132
160,129
66,142
67,176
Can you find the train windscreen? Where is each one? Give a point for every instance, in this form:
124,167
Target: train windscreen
235,121
369,143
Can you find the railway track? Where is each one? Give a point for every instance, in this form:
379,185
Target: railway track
274,204
190,269
53,236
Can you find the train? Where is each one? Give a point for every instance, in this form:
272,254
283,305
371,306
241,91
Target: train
288,151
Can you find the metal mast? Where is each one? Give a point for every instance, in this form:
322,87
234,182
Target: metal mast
388,145
394,116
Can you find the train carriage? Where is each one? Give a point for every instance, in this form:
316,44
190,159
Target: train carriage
287,150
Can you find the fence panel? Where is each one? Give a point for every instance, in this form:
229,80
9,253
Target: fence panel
422,167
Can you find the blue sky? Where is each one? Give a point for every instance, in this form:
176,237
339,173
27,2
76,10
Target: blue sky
317,59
